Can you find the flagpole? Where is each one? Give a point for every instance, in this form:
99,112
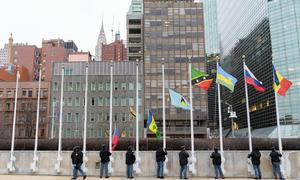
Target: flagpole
192,169
33,165
247,106
10,165
59,156
278,124
220,114
163,98
164,113
137,168
110,114
85,159
220,122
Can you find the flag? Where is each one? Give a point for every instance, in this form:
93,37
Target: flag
152,125
123,132
200,79
115,139
132,112
281,84
251,79
225,79
178,100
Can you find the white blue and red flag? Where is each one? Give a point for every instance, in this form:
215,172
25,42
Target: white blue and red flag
251,79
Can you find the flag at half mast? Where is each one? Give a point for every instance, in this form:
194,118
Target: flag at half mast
152,125
178,100
281,84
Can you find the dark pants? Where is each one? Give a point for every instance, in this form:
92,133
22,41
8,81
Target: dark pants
218,171
183,171
257,171
129,170
76,168
104,167
160,169
277,170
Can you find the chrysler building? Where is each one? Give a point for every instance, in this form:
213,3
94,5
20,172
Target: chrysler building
101,40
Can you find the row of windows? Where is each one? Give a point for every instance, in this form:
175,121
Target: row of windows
25,93
100,101
92,117
93,86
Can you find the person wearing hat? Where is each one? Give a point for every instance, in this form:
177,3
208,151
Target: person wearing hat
183,161
130,159
217,161
104,156
275,159
77,160
255,159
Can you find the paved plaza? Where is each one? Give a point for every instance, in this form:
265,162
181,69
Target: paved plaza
26,177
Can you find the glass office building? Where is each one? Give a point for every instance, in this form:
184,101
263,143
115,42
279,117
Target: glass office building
285,35
174,30
244,30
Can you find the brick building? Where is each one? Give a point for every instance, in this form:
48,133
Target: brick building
26,109
80,57
115,51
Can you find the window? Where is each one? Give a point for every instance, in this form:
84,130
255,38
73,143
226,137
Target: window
9,93
68,72
7,106
116,101
107,101
107,86
140,86
69,117
1,93
77,117
100,101
131,86
69,101
116,86
70,86
68,132
123,116
100,116
24,93
30,93
92,117
77,86
93,86
130,101
92,101
100,86
123,86
77,101
55,86
23,106
107,116
116,117
123,101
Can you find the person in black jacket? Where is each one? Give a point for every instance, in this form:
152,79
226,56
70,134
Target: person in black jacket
217,161
255,159
130,159
77,160
275,159
160,158
104,156
183,161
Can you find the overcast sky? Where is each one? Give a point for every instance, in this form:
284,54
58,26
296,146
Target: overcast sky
77,20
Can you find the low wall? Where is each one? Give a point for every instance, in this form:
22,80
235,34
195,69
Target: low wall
235,163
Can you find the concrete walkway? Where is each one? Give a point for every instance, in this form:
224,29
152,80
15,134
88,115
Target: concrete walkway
25,177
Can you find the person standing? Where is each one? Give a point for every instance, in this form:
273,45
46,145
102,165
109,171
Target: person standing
77,160
130,159
183,161
255,159
104,156
275,159
160,159
217,161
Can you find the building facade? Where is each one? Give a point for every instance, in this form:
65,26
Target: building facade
71,46
135,31
3,55
80,57
52,51
115,51
100,41
26,109
174,31
124,97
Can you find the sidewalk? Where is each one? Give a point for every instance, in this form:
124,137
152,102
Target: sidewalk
25,177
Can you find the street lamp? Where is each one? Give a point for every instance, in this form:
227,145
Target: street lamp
231,116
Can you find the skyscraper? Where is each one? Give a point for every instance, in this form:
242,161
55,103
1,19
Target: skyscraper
101,40
174,31
135,31
285,36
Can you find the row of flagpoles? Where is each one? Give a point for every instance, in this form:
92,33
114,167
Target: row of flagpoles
197,78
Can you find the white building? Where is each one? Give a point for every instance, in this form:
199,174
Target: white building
101,40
